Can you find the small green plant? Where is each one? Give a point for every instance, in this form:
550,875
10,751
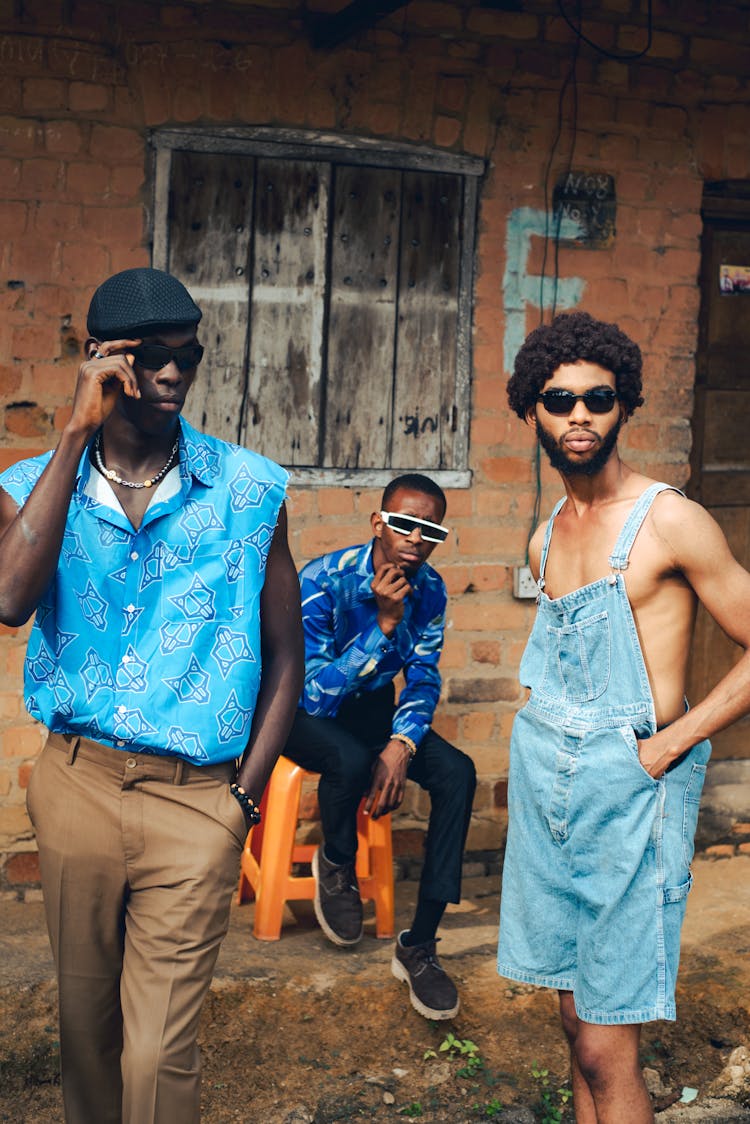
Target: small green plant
553,1101
492,1109
413,1110
463,1048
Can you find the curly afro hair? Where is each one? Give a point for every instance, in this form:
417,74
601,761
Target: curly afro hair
570,337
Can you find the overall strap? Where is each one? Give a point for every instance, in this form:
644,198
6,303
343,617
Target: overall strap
618,559
547,537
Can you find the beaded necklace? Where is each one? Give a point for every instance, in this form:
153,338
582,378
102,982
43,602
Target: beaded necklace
113,476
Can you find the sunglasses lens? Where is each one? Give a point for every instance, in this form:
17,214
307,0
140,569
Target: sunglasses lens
557,402
187,357
561,402
600,401
405,524
154,357
401,524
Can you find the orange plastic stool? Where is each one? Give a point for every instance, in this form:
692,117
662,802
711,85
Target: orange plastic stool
270,851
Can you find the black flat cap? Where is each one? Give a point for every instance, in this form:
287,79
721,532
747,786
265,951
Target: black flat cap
139,298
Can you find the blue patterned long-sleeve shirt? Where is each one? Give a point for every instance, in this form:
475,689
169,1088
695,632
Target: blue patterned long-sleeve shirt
346,651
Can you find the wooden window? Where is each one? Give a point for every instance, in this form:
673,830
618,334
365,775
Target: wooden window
335,281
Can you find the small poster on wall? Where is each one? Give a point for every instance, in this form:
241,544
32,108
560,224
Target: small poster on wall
734,278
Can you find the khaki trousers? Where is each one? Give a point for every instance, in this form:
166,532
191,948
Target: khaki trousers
139,856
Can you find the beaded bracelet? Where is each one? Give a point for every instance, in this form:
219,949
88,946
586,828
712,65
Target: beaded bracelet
248,805
410,745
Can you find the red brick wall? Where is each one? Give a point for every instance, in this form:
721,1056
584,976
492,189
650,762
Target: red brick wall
82,83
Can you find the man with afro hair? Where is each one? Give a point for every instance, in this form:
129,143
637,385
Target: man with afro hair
607,761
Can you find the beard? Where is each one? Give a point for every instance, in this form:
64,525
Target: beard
560,460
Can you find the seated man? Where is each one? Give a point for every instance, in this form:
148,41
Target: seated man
369,612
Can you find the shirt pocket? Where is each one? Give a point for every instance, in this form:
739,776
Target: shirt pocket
578,658
210,587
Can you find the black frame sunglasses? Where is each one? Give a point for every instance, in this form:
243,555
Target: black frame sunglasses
154,356
598,400
405,524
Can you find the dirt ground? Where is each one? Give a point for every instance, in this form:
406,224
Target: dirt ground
299,1032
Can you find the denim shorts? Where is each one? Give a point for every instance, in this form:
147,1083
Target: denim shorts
597,867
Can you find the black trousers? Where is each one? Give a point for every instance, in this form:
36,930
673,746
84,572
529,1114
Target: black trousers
343,750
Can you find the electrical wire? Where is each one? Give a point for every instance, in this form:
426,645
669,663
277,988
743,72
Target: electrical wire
570,81
624,56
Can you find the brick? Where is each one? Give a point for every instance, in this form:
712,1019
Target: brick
482,690
63,137
15,825
10,457
744,849
446,725
477,726
13,219
720,851
127,179
504,470
726,56
26,420
486,651
51,217
115,224
486,835
408,843
43,93
87,181
741,829
503,25
453,654
452,93
61,417
24,774
111,144
187,103
496,540
35,340
88,97
11,89
434,16
500,794
320,539
86,264
41,177
10,705
22,868
5,782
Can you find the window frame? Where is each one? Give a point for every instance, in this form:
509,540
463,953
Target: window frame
309,145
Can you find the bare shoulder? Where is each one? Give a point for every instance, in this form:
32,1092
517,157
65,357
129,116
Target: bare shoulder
689,532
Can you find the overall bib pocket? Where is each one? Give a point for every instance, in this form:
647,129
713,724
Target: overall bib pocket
578,659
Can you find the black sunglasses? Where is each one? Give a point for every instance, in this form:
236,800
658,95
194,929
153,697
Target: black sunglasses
600,400
153,356
405,524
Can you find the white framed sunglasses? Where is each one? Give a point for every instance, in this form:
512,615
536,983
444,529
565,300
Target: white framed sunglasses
405,524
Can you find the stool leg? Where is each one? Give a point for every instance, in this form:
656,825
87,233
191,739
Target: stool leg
278,843
381,869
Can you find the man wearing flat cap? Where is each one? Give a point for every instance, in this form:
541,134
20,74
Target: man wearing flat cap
166,661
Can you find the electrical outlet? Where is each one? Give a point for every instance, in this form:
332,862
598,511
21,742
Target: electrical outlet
524,586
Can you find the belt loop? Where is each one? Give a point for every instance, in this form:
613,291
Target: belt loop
178,771
73,751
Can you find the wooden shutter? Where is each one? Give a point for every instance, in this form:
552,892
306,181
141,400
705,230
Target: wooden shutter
288,306
210,225
361,343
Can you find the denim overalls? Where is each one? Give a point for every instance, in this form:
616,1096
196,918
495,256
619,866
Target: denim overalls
597,863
